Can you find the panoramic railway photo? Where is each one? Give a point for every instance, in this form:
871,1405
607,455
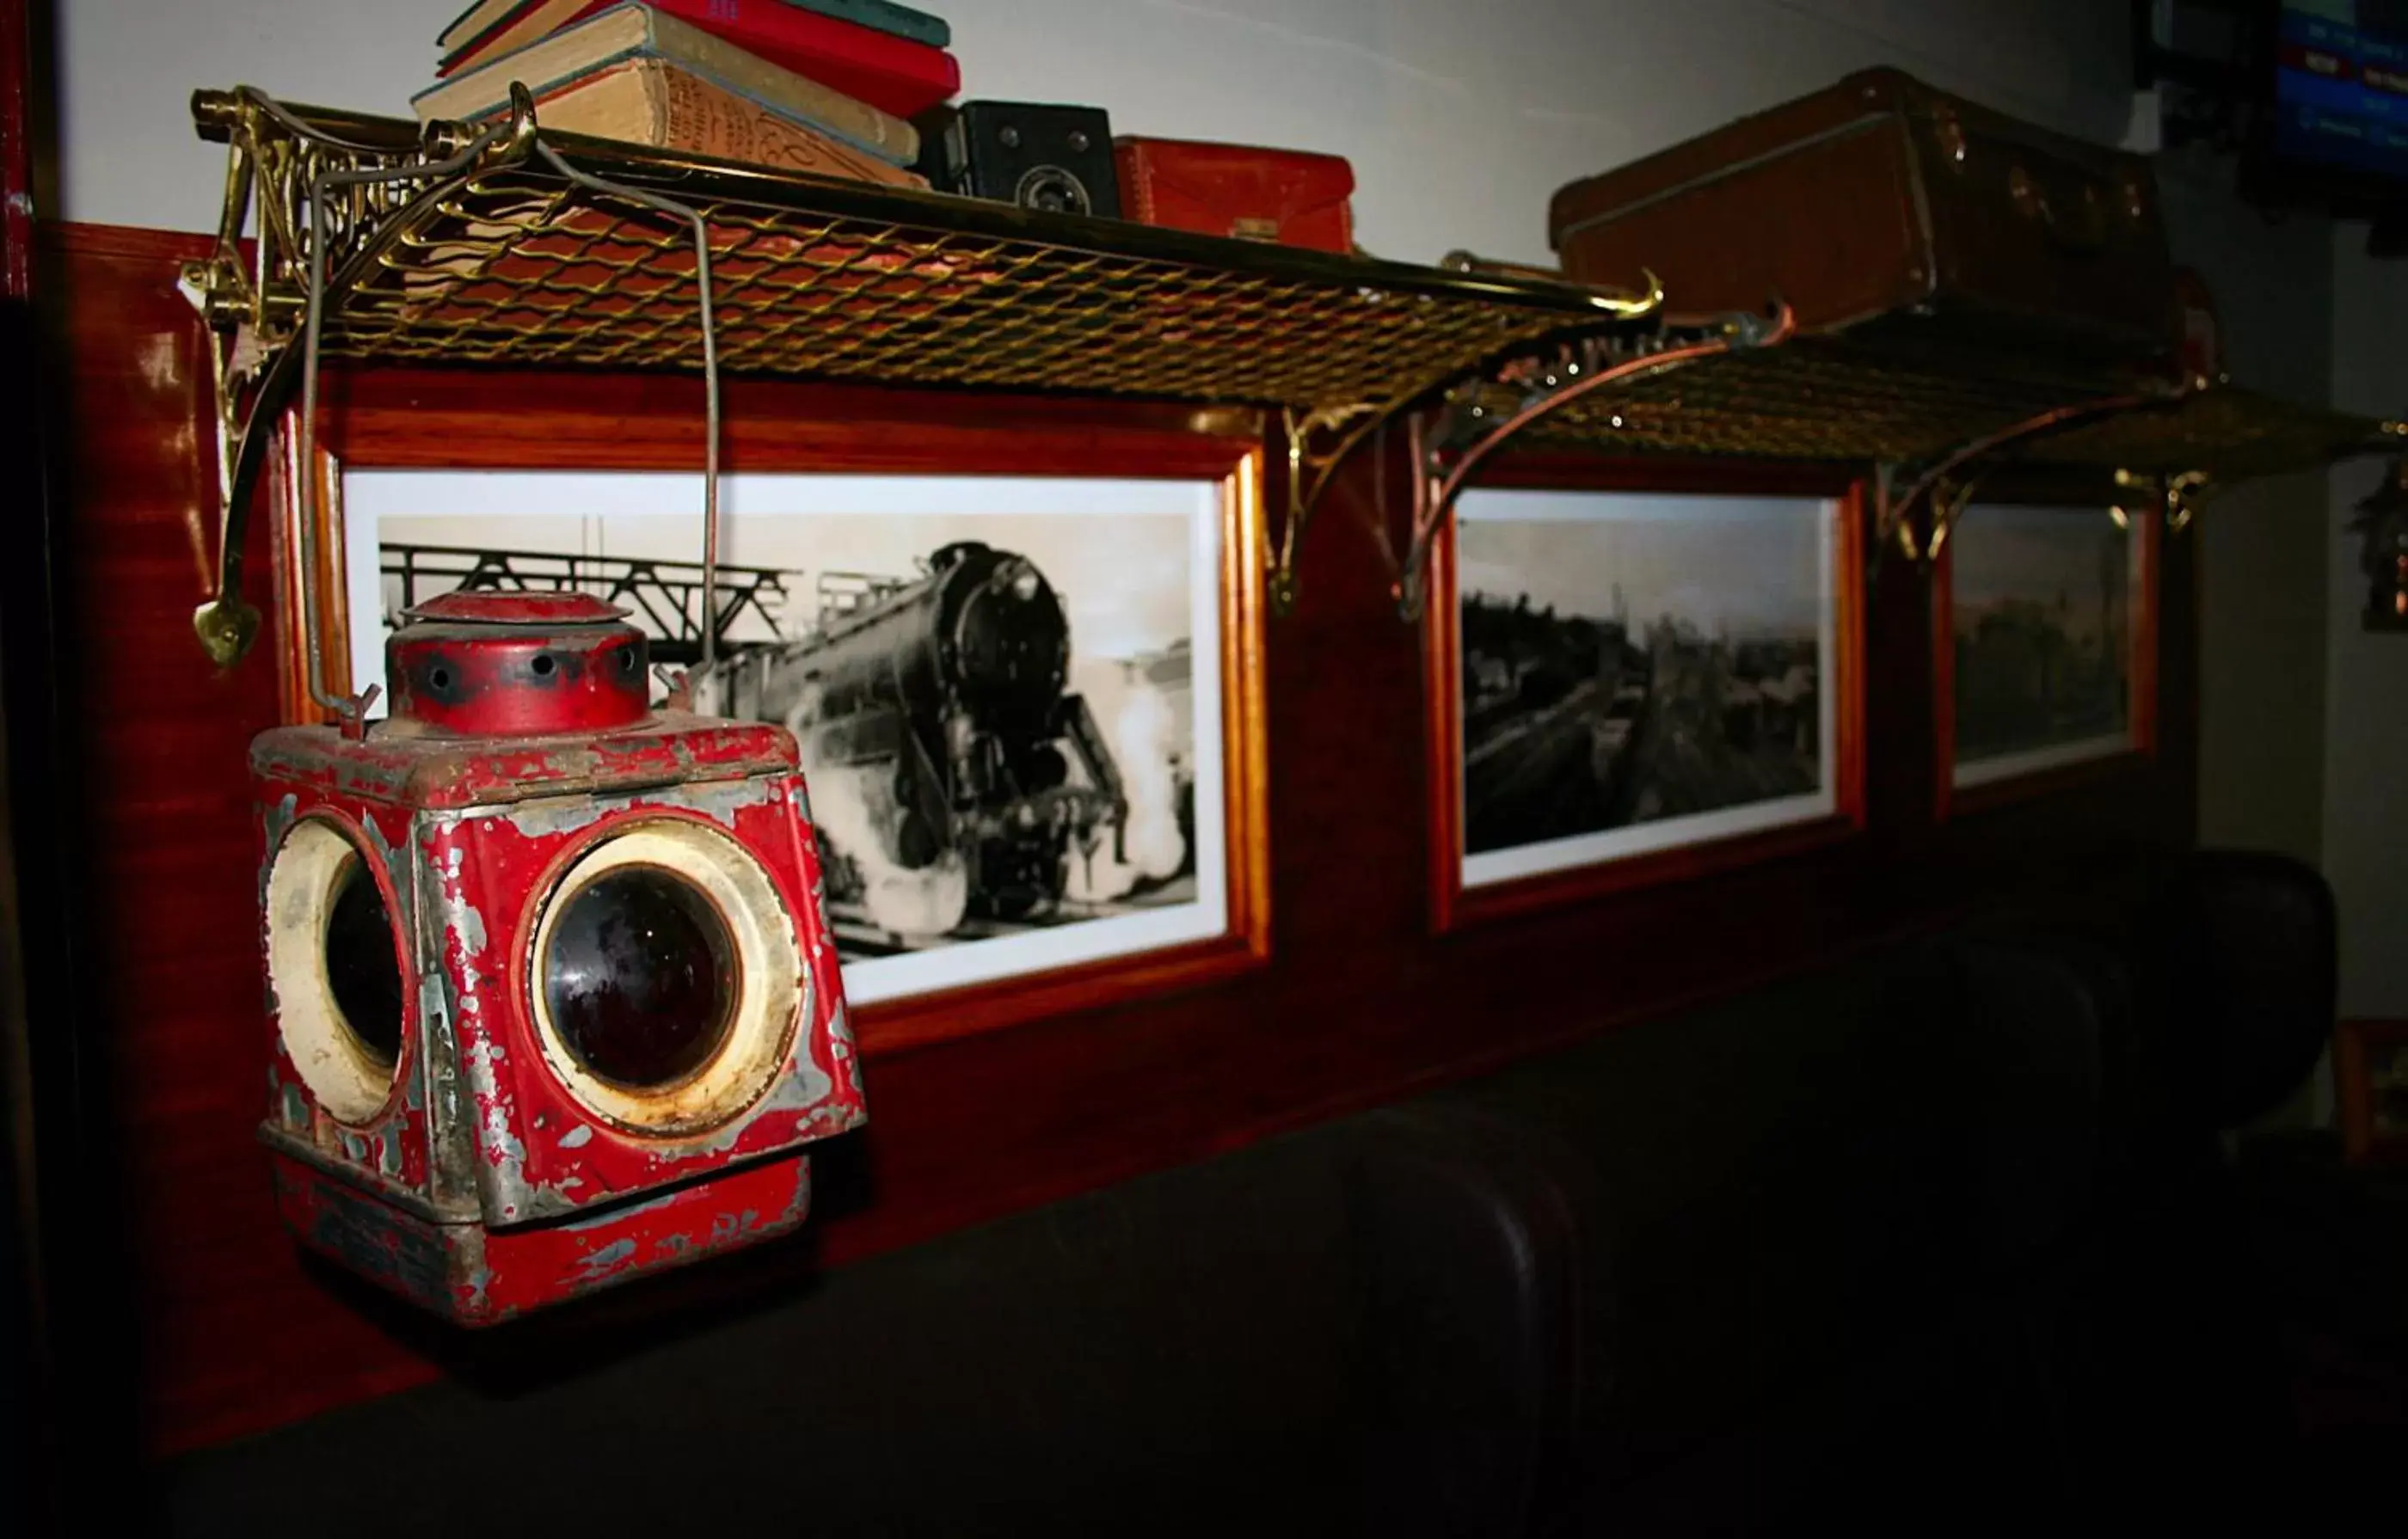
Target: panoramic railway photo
1612,703
995,700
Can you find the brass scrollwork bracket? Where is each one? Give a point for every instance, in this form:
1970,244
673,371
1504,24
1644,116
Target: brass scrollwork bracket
309,199
1323,439
1944,486
1318,442
1472,420
2179,497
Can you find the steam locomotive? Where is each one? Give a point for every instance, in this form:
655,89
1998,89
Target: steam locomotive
953,777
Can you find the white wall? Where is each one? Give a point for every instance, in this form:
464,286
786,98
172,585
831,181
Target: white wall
1461,116
2263,548
2365,674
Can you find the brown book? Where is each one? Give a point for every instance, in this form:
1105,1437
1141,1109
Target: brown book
631,32
652,102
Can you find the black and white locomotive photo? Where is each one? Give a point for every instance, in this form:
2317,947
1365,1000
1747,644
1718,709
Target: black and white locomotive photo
997,713
961,781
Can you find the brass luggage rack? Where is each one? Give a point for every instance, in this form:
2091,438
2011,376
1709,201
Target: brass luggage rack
462,244
1934,426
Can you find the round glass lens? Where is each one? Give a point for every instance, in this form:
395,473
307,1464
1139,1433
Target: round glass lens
362,971
639,977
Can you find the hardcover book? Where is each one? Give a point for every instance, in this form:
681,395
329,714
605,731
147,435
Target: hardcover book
480,15
625,32
512,26
894,75
652,102
887,17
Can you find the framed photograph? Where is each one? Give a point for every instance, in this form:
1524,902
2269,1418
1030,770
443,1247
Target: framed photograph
2371,1087
1029,703
1628,684
2045,626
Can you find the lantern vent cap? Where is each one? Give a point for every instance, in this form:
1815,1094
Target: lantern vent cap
486,606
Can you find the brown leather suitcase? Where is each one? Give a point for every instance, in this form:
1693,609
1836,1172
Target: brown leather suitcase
1881,197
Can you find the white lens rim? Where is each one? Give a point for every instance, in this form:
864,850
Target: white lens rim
349,1082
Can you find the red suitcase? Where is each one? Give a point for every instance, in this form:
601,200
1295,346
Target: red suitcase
1287,196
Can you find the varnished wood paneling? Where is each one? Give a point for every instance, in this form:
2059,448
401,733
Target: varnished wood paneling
1358,1005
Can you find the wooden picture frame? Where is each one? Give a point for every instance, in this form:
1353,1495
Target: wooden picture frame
375,420
2371,1089
1456,901
2016,776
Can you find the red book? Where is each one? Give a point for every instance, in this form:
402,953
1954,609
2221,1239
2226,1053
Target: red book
890,72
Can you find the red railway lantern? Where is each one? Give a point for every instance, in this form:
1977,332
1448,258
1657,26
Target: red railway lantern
553,1000
551,997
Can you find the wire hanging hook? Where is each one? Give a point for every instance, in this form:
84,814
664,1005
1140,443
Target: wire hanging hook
351,709
519,136
709,362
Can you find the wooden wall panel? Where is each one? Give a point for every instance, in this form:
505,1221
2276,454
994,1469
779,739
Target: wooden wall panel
1359,1004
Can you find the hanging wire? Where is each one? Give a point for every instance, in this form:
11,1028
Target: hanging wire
313,324
521,126
710,377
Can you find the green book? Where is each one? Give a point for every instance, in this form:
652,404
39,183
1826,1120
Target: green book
887,17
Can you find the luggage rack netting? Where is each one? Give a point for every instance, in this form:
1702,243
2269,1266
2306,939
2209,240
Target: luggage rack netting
509,270
1933,433
1808,401
2227,433
1815,401
459,245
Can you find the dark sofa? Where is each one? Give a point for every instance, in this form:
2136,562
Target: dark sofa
1940,1237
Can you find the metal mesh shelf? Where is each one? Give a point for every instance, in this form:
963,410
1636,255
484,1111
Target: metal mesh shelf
511,245
506,270
2226,434
1827,399
510,263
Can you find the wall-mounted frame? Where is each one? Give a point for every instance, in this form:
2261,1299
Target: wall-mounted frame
1117,843
2370,1088
2044,630
1636,674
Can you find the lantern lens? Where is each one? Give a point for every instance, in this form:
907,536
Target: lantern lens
639,975
362,971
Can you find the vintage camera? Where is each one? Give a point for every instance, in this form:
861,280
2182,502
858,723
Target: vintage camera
554,1002
1055,159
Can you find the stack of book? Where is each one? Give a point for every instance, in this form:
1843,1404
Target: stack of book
820,86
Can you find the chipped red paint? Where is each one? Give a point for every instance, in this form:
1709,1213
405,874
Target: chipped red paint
447,772
484,1187
481,1277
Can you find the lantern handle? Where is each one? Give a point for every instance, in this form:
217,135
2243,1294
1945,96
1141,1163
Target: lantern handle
520,137
709,362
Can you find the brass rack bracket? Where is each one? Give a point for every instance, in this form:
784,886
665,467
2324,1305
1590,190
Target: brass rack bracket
2177,497
285,179
488,246
1323,439
1943,486
1451,435
1318,442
